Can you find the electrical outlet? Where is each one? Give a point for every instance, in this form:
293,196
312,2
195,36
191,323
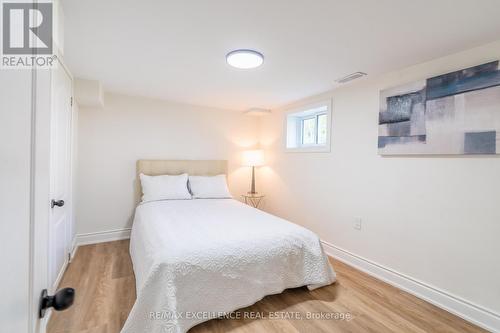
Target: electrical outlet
357,223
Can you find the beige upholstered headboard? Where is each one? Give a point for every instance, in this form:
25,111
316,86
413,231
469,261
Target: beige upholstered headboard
177,167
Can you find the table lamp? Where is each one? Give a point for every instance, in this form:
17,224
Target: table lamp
253,158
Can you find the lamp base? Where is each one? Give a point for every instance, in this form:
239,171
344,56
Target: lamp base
252,188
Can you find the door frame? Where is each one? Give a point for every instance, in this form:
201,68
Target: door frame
41,191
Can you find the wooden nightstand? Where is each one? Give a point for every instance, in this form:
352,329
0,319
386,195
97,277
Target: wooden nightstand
253,200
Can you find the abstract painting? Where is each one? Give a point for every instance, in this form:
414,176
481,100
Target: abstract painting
454,113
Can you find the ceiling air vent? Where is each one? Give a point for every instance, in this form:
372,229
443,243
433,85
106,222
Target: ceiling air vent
257,112
351,77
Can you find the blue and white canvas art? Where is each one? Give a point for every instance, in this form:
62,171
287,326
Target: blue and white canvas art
454,113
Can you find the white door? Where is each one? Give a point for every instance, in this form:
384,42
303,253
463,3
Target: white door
60,173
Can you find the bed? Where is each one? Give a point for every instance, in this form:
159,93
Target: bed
195,260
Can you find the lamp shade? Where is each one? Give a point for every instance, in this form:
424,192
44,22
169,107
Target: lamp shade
253,157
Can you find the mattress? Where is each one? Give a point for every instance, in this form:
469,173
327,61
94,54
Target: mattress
195,260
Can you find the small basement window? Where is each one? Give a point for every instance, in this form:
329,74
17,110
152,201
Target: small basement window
308,128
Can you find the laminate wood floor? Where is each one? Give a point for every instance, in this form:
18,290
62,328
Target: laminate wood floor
105,292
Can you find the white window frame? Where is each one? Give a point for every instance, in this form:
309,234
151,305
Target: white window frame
294,127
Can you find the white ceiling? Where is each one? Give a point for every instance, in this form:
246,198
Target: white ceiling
175,50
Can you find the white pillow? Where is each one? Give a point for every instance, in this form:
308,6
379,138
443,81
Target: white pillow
209,187
164,187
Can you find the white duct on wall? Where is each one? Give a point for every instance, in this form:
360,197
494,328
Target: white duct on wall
88,93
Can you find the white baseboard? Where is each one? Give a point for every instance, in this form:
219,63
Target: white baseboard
467,310
102,236
74,247
53,288
42,328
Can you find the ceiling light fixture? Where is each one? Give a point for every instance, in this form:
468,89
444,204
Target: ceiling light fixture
245,59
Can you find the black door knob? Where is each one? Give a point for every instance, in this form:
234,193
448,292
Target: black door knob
62,300
58,203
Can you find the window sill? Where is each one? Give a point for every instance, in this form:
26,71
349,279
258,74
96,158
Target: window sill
309,149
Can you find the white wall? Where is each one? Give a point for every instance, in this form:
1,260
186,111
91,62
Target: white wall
15,199
435,219
112,139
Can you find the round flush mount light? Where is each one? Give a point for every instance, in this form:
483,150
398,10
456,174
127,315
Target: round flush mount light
245,59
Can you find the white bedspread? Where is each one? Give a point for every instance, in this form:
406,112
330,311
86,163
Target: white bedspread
196,259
